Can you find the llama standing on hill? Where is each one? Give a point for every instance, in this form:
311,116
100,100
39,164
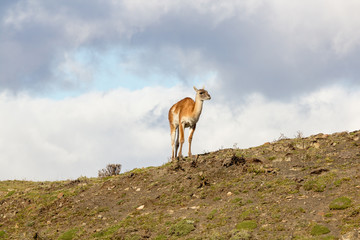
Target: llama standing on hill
183,114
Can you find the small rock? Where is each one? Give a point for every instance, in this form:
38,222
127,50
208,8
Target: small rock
229,194
171,211
256,160
195,207
321,136
234,160
319,171
316,145
138,189
140,207
353,235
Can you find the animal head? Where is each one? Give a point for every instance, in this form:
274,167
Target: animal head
202,94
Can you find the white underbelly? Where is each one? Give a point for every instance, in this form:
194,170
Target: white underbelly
189,121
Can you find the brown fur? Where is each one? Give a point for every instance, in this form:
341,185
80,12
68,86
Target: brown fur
183,114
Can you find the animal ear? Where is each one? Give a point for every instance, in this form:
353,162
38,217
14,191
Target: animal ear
195,88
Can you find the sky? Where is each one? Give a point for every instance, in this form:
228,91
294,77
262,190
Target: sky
88,83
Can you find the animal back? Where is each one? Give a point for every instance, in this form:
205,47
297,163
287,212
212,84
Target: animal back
183,107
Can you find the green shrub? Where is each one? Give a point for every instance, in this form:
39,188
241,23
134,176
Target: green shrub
241,234
3,235
340,203
247,225
160,237
318,230
315,185
182,228
69,235
212,214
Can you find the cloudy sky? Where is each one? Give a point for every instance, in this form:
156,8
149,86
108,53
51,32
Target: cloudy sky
88,83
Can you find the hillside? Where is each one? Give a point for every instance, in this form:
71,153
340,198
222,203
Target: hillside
301,188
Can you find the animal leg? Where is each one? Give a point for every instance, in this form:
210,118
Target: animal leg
177,141
192,130
173,133
181,135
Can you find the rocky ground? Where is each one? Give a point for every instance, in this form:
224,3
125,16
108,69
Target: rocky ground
301,188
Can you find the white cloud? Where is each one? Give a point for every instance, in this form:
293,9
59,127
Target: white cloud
318,24
260,120
42,139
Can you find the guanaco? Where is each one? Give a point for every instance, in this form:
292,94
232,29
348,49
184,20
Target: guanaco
185,114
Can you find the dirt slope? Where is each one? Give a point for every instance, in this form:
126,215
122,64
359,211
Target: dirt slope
302,188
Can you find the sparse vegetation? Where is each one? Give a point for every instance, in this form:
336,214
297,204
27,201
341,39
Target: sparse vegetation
182,228
318,230
306,188
340,203
110,170
68,235
3,235
246,225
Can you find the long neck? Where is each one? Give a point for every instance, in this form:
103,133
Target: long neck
198,107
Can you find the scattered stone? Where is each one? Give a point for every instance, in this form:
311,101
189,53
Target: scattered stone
234,160
195,207
140,207
321,136
193,164
204,182
177,166
353,235
256,160
319,171
138,189
316,145
229,194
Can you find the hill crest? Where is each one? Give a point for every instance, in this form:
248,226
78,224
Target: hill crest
301,188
